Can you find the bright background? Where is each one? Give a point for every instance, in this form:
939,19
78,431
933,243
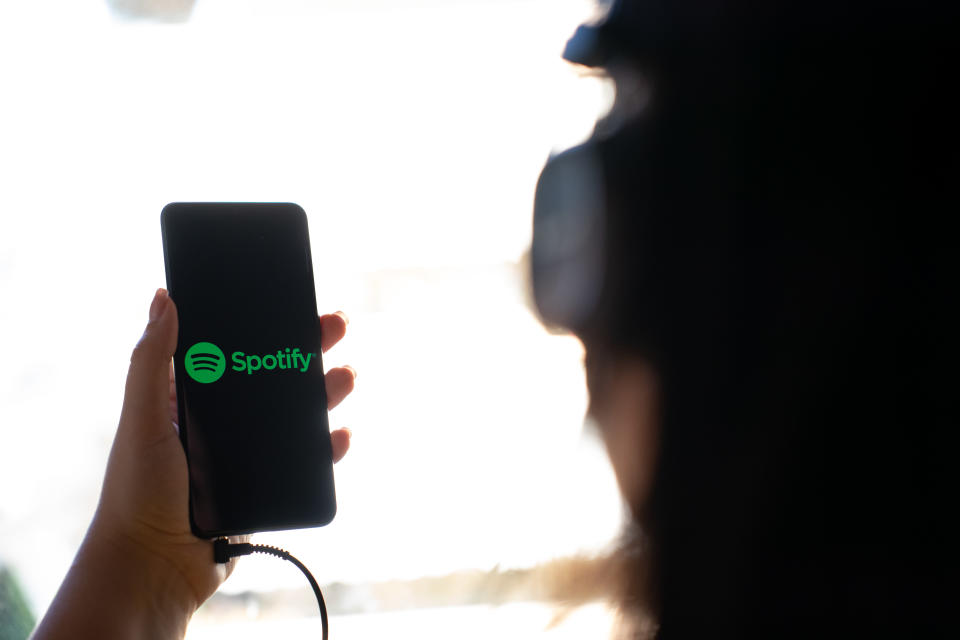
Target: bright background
412,132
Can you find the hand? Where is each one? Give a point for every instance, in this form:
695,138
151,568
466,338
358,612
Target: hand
139,543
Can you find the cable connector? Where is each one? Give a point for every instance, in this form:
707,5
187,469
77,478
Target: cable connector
224,550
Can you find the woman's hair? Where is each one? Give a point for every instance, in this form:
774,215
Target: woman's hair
777,247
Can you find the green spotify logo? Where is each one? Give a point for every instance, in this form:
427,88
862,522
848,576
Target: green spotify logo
205,362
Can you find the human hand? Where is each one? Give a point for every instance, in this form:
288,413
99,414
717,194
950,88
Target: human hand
139,545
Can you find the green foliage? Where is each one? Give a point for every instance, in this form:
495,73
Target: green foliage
16,621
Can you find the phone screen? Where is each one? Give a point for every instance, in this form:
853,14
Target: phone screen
249,377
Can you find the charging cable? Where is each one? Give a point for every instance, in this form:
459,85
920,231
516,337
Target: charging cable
223,550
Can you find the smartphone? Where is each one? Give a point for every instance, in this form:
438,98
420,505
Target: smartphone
249,375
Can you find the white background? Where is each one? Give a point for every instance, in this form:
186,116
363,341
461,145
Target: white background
412,133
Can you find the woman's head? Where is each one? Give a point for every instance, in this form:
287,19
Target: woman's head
739,259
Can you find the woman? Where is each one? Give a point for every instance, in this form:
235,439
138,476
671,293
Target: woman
752,248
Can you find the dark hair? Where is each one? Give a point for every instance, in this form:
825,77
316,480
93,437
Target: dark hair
776,245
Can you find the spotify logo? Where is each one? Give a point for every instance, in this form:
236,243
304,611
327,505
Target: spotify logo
205,362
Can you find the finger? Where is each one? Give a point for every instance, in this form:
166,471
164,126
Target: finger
340,443
333,326
339,383
146,400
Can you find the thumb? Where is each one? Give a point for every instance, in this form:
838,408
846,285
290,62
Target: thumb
146,401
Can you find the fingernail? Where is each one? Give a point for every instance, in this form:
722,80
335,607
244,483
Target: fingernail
346,320
349,432
352,370
159,304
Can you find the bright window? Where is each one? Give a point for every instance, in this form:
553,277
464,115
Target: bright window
412,132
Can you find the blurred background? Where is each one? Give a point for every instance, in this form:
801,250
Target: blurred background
473,502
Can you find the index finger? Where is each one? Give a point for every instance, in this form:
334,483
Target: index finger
333,326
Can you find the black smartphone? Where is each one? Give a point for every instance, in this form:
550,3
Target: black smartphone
249,375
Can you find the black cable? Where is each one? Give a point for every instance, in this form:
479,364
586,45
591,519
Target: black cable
223,550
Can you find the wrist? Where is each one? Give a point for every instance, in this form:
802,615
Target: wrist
117,588
148,584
